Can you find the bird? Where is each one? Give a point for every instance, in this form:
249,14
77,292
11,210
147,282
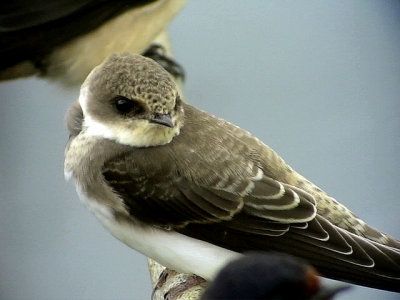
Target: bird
269,276
193,191
64,40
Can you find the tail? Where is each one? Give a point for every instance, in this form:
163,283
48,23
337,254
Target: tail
371,260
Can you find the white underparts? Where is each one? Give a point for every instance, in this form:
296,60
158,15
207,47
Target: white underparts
171,249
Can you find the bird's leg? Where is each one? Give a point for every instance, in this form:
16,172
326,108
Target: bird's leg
158,53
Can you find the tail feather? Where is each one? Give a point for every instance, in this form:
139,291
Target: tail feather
383,274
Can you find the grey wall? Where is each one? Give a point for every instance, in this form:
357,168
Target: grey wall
319,81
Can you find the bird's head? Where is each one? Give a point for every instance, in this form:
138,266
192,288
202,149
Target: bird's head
131,99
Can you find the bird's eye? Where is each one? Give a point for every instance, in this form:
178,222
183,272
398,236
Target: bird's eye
123,105
126,106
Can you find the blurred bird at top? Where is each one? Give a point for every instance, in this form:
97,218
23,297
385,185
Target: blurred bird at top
66,39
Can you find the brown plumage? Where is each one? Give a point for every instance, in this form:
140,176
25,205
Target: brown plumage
208,179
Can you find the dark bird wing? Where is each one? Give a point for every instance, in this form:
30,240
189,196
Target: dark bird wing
30,30
211,183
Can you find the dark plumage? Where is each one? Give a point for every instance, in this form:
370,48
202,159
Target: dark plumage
269,276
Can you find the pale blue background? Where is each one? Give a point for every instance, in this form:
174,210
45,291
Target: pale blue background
319,81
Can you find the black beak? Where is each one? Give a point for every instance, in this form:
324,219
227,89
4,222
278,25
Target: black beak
327,292
164,120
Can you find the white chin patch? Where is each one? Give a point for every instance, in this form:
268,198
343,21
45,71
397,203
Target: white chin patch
143,134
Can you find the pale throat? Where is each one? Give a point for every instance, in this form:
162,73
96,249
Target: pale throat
143,134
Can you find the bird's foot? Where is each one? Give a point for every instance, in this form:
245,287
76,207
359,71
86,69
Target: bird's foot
172,285
157,52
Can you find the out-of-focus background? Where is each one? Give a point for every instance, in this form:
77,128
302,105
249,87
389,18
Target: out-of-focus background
318,81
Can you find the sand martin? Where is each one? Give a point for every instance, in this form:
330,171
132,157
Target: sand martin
193,191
